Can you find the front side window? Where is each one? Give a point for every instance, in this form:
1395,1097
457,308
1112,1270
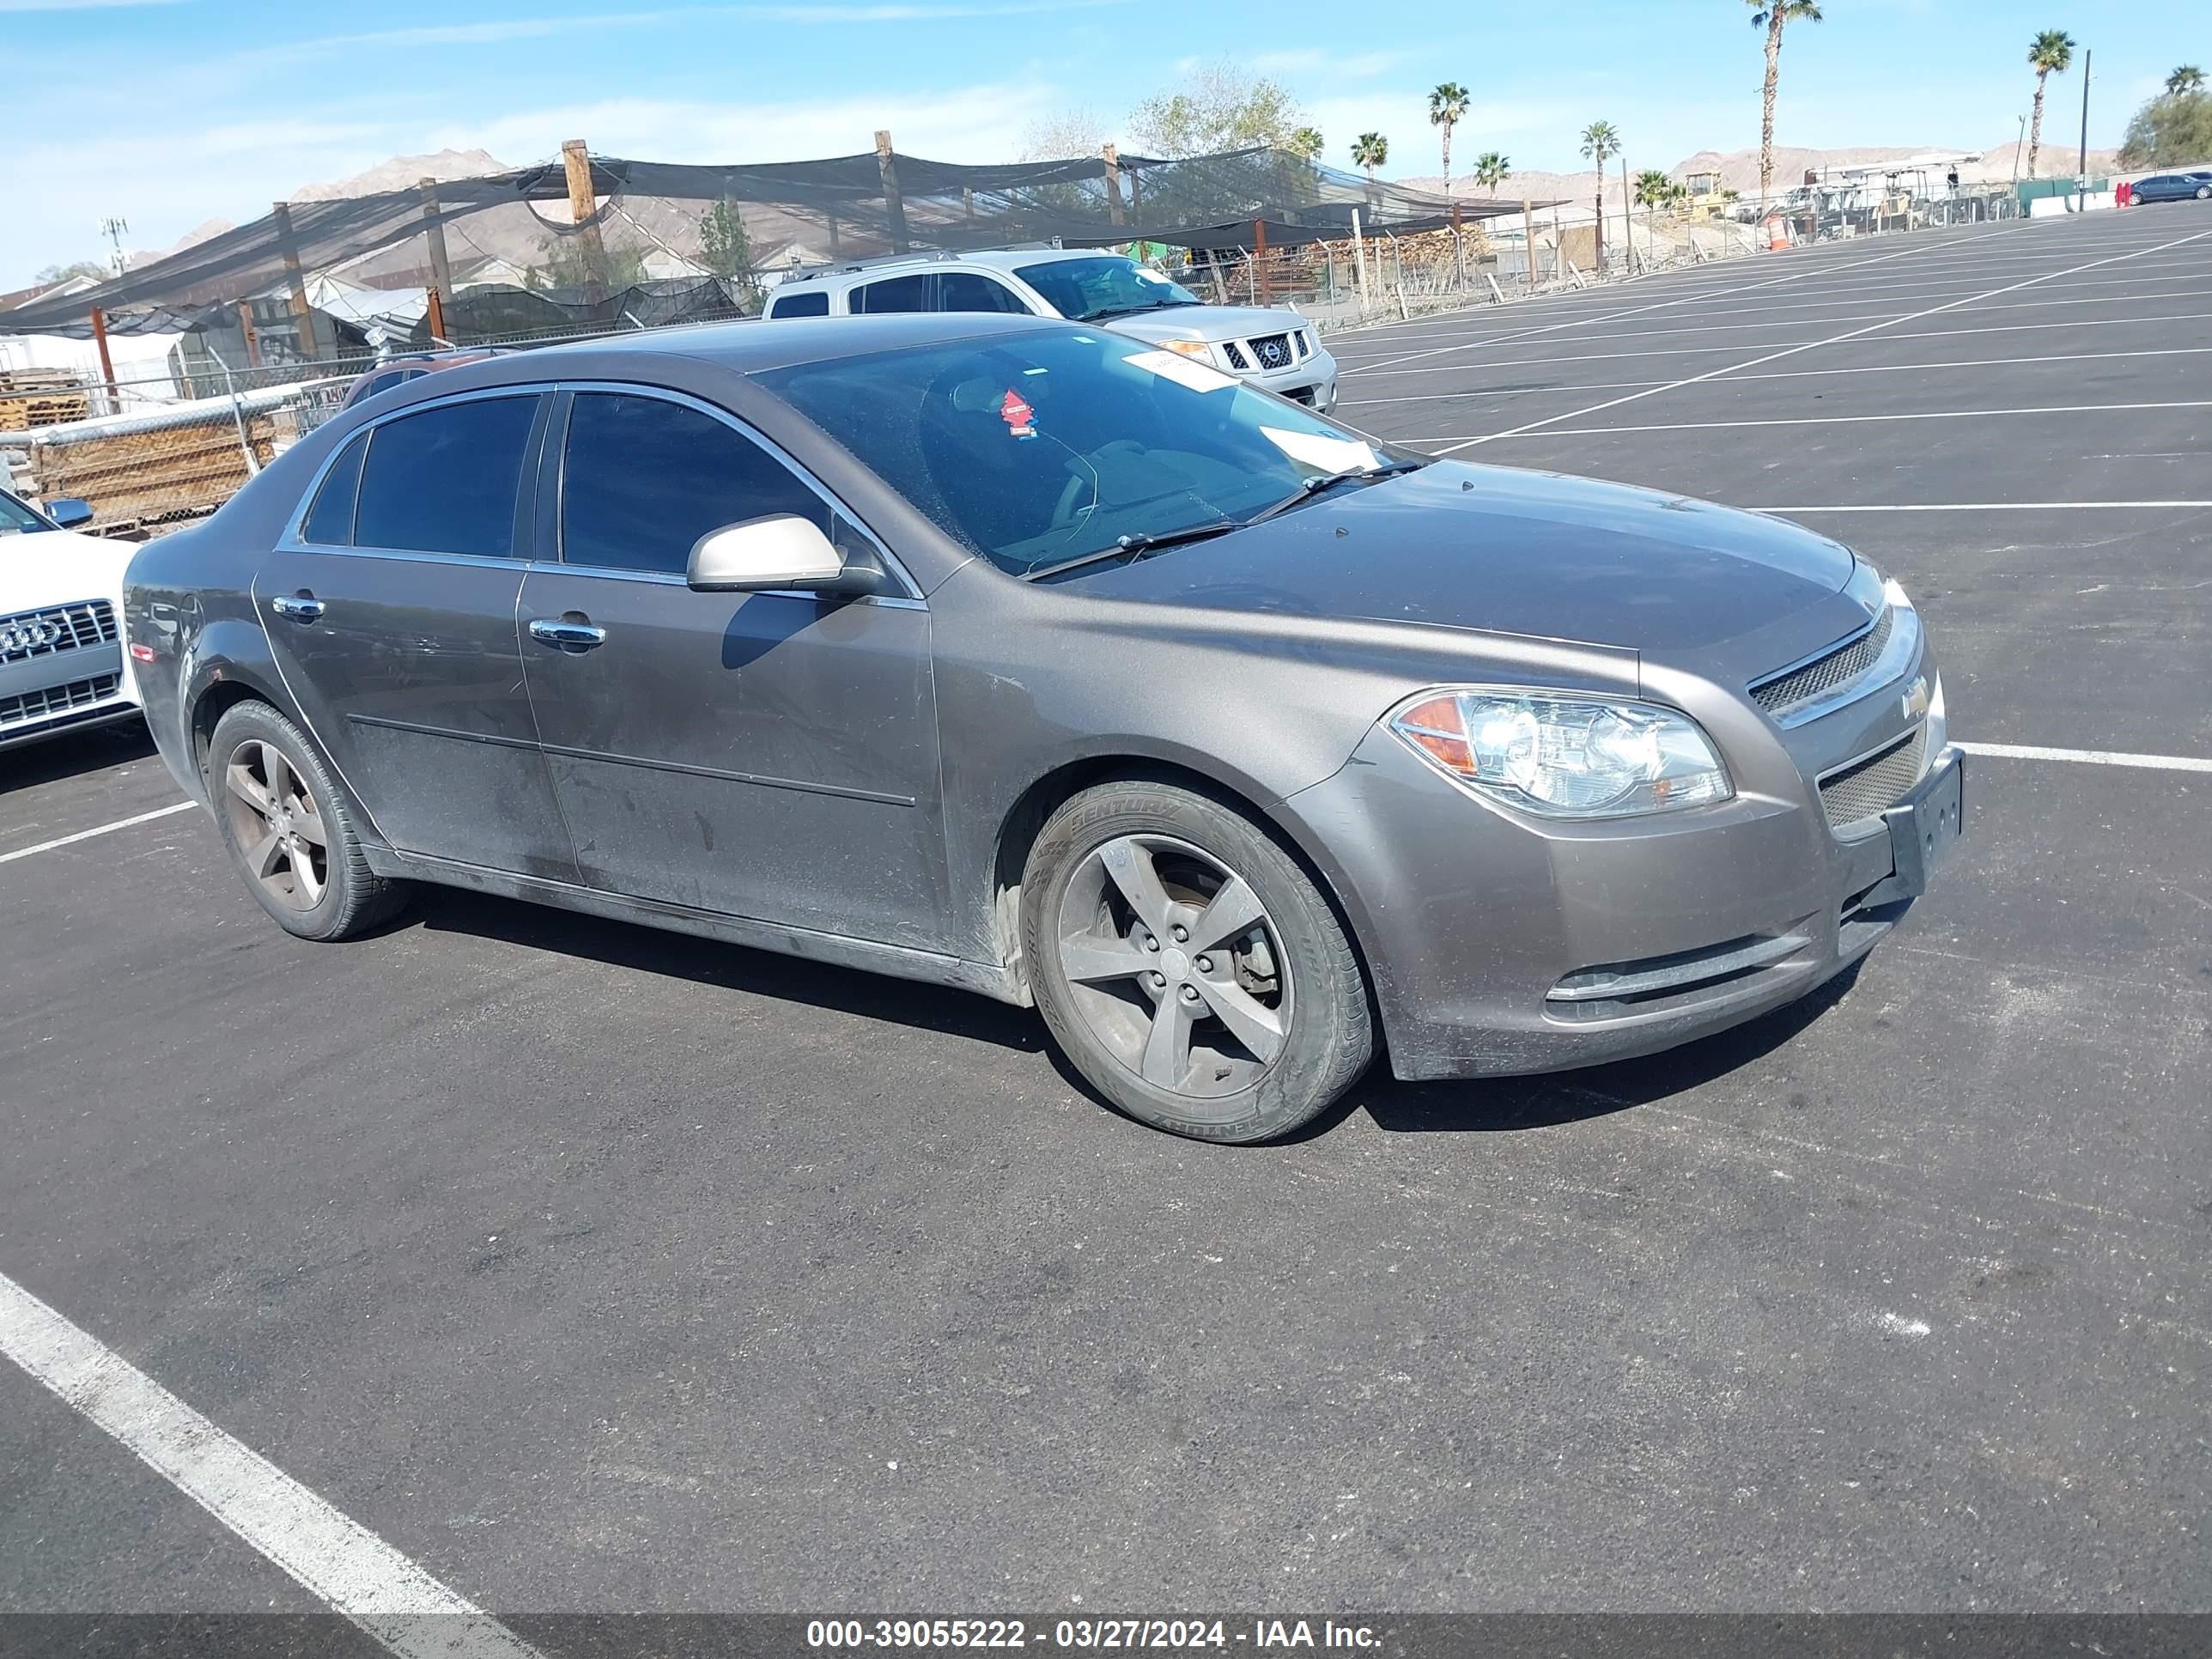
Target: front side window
892,293
17,520
1104,285
645,478
1038,448
444,480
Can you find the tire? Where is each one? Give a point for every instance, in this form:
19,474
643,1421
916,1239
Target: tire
2205,192
326,892
1274,1022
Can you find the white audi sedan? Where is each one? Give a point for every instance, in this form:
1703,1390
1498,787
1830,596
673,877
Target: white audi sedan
62,665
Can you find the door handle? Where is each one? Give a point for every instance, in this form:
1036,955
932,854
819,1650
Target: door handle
569,633
303,608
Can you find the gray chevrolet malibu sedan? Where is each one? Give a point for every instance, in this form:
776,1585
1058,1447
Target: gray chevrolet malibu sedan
1028,658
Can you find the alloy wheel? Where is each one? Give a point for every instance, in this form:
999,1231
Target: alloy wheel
276,825
1174,965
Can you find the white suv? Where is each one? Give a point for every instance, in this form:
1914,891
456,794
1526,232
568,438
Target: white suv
1271,347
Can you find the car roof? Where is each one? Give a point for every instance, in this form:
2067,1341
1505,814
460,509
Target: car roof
738,348
991,258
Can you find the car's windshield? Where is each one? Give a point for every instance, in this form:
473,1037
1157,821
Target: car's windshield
1036,448
17,520
1108,285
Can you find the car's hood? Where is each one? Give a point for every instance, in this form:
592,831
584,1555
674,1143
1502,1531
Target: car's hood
55,566
1209,323
1515,552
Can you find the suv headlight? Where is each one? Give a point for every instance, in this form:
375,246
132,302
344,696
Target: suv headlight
1197,349
1563,756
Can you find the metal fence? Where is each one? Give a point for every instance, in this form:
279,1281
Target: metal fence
159,451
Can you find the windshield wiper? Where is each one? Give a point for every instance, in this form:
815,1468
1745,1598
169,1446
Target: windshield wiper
1137,544
1313,487
1131,310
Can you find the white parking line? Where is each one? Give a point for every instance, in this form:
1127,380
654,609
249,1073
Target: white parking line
1791,351
1551,431
2089,757
1799,374
344,1564
1974,506
102,830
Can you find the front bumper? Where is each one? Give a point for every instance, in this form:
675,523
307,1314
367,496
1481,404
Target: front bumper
1311,380
44,696
1503,945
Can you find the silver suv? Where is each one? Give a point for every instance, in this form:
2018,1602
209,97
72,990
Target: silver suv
1270,347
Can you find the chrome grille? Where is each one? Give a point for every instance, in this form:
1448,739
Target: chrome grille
1866,788
1271,350
57,700
44,632
1824,674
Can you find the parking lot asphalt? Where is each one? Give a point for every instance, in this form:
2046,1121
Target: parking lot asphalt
596,1268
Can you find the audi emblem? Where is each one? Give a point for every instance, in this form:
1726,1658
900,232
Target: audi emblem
30,635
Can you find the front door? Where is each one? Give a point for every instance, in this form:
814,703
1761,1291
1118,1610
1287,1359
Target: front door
771,756
392,613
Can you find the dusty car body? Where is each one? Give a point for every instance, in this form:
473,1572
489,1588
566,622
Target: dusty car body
1547,771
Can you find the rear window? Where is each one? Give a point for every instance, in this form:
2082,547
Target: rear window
330,521
444,480
814,303
892,293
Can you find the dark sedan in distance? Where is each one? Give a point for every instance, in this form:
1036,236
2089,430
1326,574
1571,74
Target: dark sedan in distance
2173,187
1028,658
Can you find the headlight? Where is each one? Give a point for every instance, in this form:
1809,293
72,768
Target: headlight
1565,758
1197,349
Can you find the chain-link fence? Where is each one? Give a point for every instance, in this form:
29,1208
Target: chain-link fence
158,449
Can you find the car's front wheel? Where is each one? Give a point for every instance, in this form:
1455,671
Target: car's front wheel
1187,967
289,830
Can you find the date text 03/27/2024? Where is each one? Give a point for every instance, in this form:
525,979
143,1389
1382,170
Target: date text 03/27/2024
1261,1636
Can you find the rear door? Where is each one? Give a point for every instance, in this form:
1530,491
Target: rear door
391,611
771,756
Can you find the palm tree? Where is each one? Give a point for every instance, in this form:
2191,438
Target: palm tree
1370,150
1491,170
1306,142
1600,140
2051,51
2187,78
1654,189
1447,109
1770,15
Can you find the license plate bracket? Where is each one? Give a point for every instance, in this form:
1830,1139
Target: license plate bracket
1927,823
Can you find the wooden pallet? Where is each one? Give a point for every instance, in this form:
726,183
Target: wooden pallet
23,411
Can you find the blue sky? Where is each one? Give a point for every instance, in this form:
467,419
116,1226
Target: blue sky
173,112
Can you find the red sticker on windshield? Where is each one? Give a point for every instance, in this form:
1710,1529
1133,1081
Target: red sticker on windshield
1020,418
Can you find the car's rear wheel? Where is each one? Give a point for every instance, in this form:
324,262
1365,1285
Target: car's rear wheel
1187,967
289,830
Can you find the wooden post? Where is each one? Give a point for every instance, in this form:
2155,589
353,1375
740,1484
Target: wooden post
1529,231
1459,252
1260,284
303,314
1358,261
436,318
1112,158
894,203
576,158
252,335
106,362
434,232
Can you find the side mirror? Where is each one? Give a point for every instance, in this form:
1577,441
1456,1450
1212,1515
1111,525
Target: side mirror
69,512
781,550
